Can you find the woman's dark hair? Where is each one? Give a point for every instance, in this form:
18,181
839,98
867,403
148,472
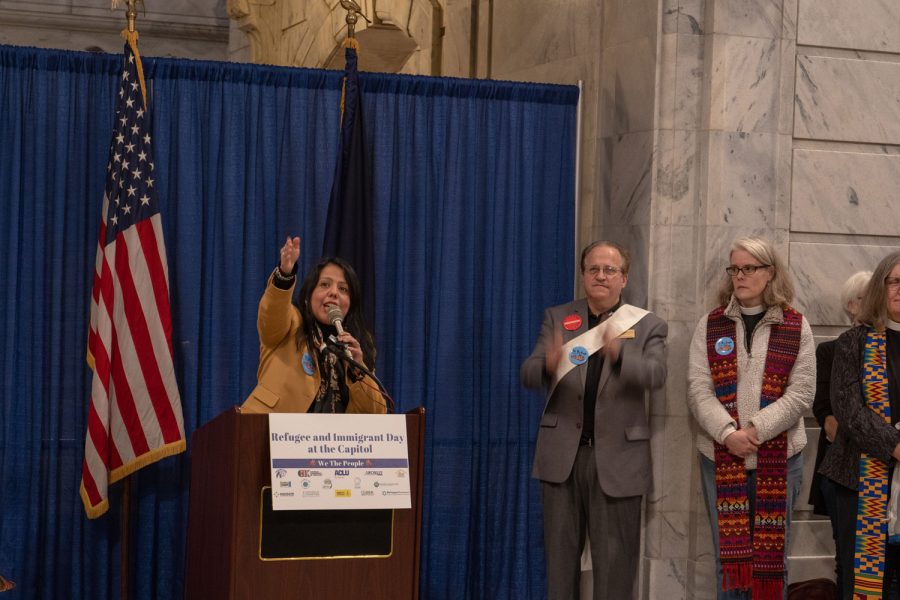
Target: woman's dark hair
355,319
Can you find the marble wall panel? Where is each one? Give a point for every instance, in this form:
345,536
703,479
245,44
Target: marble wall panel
754,18
535,32
566,71
680,81
744,80
636,239
845,192
630,179
676,406
672,484
820,269
628,94
238,44
628,20
741,181
683,16
847,100
676,163
456,41
859,25
665,578
785,98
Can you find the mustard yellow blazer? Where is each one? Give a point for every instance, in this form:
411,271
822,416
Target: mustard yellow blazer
283,384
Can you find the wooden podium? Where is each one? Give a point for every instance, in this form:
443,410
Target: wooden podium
226,557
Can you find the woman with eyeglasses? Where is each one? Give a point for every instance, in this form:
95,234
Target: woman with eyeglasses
865,398
751,377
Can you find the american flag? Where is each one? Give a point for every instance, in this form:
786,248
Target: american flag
135,413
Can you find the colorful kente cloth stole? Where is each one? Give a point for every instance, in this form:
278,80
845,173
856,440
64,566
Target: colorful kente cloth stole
752,557
871,508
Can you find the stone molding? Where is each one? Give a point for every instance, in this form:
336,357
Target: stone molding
310,33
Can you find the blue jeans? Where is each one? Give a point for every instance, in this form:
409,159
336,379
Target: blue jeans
708,477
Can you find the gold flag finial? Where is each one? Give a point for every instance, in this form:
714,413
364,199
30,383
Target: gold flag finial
130,12
354,11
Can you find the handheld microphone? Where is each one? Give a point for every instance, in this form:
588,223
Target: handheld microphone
337,319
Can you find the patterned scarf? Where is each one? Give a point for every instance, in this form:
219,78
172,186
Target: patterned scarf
329,397
871,509
752,557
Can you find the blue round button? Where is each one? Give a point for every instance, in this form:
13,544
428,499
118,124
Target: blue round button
724,346
578,355
309,367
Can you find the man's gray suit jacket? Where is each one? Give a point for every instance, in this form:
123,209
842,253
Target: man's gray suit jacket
621,423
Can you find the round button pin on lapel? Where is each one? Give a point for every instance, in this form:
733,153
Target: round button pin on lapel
572,322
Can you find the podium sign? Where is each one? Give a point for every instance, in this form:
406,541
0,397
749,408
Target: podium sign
339,461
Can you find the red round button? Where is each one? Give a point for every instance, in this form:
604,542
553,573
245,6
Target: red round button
572,322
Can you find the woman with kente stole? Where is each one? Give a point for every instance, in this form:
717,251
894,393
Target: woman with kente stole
751,378
865,387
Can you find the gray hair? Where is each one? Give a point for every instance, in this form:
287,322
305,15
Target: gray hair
853,289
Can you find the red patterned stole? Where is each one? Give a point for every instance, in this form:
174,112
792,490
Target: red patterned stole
752,556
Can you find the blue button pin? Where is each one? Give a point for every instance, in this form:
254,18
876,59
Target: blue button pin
724,346
309,366
578,355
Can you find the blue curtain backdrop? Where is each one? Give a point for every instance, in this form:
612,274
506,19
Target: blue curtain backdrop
474,229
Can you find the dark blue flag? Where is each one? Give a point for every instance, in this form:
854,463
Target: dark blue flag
349,228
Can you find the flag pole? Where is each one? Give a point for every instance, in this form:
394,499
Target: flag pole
354,11
130,34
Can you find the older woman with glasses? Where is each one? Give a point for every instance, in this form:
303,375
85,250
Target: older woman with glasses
865,398
751,377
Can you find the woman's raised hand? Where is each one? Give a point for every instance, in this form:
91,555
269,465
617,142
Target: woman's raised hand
290,253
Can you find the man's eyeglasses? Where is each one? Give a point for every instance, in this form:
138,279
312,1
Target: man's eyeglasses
747,270
607,270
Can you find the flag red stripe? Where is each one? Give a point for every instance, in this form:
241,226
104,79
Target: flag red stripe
115,459
90,486
101,363
157,270
125,401
98,436
101,237
143,345
106,289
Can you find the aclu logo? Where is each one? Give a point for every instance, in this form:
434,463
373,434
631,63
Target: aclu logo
342,472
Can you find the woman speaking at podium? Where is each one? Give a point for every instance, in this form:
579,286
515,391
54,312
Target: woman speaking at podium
300,367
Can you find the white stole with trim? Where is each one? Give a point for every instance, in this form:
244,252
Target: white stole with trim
625,317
